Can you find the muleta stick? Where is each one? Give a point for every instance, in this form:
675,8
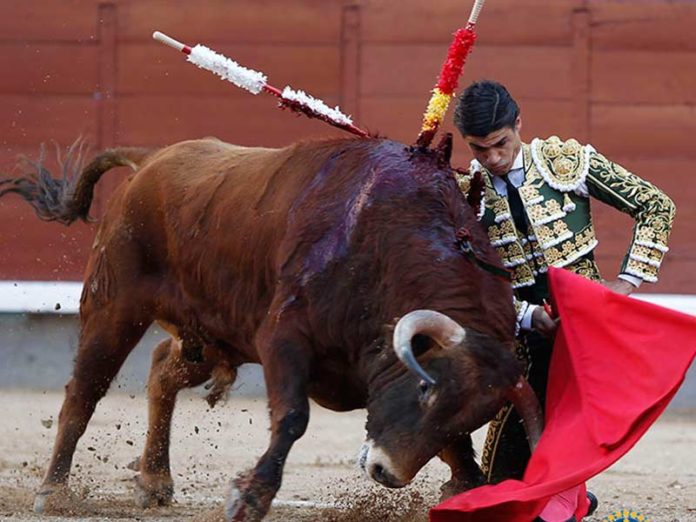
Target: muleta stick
256,82
442,94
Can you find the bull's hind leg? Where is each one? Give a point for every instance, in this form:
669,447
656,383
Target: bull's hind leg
286,360
109,333
170,373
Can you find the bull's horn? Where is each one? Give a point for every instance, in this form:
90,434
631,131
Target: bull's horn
445,331
527,405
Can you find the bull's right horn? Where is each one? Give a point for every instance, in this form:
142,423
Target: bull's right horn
442,329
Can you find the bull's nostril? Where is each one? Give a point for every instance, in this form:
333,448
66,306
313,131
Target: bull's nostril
378,472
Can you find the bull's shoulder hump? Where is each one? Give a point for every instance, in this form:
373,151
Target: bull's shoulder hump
207,150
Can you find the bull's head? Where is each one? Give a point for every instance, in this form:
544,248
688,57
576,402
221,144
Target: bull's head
463,379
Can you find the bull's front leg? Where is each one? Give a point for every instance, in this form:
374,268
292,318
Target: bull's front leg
466,473
286,360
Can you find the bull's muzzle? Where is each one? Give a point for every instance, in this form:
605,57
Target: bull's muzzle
378,466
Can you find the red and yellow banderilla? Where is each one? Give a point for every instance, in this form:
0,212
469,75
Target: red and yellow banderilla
448,79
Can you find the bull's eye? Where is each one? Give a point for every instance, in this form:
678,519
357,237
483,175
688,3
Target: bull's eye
423,390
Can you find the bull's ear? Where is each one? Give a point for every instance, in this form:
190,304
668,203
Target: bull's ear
475,195
444,148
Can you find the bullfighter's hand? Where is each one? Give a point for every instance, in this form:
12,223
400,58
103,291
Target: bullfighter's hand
619,286
543,323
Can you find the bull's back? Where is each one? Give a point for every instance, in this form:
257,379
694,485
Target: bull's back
209,198
207,218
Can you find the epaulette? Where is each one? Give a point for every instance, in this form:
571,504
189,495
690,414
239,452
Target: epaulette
562,164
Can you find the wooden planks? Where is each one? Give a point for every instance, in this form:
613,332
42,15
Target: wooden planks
212,22
645,131
158,120
644,77
645,25
29,121
33,249
398,70
48,21
151,68
503,22
46,68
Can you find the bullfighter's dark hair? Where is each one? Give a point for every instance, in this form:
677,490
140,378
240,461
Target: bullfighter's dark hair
485,107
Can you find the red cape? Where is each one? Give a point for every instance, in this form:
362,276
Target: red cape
616,364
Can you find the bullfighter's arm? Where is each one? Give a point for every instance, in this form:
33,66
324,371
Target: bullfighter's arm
652,210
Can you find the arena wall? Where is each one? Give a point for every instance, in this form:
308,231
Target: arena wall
620,75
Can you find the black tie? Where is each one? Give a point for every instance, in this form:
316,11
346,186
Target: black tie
516,206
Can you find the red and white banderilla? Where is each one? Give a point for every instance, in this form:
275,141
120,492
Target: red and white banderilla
256,82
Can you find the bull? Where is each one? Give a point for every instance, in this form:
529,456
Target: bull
353,270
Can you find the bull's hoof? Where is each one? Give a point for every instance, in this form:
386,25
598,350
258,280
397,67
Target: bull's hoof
454,487
214,515
134,464
58,500
153,492
40,503
246,503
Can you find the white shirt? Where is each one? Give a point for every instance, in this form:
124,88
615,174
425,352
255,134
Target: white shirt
515,175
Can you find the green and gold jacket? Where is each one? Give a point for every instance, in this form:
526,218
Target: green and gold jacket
560,177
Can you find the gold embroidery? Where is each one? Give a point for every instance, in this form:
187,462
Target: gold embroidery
545,212
534,256
586,268
651,208
549,235
499,207
571,147
463,182
552,149
511,255
582,243
648,253
562,164
529,193
528,252
502,233
652,235
642,270
522,275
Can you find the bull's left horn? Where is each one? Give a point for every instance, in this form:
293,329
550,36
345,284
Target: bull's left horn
444,330
527,405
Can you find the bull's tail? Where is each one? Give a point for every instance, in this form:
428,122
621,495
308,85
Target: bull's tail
68,198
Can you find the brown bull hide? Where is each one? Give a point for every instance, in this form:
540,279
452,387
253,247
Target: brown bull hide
299,259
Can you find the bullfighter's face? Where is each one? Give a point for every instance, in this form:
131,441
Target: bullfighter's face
411,420
497,151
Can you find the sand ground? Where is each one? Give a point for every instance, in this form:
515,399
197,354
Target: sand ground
321,482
